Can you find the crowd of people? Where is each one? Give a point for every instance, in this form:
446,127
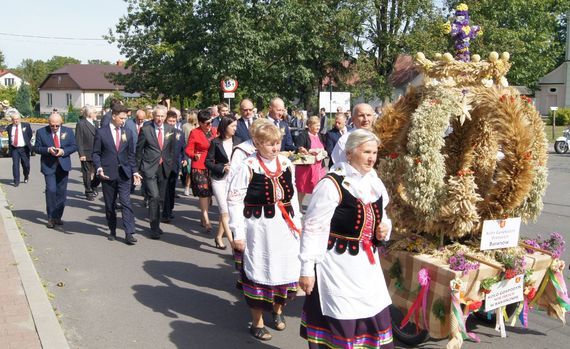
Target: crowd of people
244,161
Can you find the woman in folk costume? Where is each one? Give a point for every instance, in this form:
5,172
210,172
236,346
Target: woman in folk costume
347,298
265,220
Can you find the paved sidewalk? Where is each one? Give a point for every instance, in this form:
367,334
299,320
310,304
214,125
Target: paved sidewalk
26,316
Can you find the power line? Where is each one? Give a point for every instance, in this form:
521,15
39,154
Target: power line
51,37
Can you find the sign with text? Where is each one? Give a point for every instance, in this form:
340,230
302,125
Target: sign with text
505,292
334,101
500,233
229,95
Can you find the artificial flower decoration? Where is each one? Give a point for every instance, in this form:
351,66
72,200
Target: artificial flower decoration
462,32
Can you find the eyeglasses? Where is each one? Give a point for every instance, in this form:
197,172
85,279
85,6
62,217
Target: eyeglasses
246,109
54,126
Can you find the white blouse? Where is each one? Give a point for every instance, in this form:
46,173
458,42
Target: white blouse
271,247
350,287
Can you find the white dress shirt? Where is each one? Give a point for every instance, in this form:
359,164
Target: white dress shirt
21,141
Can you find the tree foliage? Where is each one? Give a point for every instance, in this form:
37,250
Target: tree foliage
184,48
35,71
8,94
23,100
2,60
532,31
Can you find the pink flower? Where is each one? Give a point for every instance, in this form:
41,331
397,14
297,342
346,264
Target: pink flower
423,277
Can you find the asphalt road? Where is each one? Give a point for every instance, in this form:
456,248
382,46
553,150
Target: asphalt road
179,292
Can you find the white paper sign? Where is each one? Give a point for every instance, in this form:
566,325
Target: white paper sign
500,233
229,95
504,293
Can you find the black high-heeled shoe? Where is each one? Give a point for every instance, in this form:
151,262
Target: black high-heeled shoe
219,245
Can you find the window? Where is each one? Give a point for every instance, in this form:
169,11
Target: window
49,100
99,100
9,81
68,96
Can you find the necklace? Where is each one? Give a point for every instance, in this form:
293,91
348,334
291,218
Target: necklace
271,174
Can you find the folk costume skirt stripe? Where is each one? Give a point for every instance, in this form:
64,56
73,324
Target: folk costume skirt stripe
263,297
326,332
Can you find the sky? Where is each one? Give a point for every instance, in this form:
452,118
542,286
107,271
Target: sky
58,18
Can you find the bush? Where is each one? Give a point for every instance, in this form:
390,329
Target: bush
562,117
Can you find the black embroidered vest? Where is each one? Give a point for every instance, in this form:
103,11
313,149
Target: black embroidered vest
261,195
348,220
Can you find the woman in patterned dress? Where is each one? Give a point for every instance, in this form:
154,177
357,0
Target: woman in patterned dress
265,221
347,298
197,150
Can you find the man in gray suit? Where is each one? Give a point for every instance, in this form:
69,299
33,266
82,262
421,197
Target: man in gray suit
155,156
84,136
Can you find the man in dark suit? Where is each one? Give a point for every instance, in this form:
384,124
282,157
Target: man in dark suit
106,119
334,134
55,143
247,118
85,136
114,158
167,215
155,156
19,145
275,115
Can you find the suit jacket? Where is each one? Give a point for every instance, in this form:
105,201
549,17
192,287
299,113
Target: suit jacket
303,140
332,138
217,157
106,119
287,142
44,140
26,132
115,164
241,130
148,152
85,136
179,151
131,125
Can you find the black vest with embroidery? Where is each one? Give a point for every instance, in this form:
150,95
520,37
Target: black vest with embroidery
347,222
261,195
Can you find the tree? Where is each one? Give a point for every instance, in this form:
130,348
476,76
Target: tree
35,71
184,48
532,31
2,61
8,94
23,101
385,25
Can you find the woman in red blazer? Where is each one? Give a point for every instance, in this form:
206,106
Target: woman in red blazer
197,150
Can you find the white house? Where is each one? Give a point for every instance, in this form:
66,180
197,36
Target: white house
9,79
78,85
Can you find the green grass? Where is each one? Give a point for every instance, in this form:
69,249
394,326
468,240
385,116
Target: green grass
557,132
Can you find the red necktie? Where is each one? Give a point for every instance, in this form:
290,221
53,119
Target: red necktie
55,140
160,138
160,143
16,136
117,138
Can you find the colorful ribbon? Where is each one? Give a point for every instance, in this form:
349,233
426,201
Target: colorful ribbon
457,312
561,291
423,279
287,218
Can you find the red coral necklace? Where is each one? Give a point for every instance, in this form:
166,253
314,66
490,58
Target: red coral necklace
272,174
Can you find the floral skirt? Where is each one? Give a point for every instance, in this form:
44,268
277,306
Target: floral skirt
326,332
201,184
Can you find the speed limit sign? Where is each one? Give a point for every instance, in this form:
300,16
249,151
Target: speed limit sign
229,85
